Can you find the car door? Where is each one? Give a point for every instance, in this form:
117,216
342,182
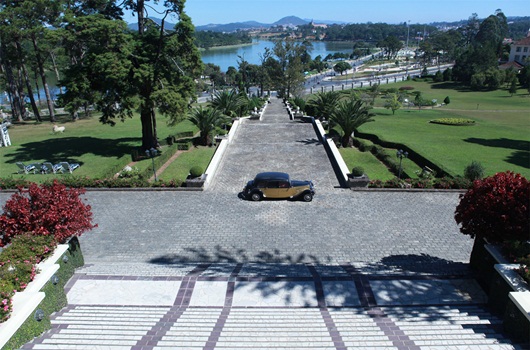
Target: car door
284,189
272,189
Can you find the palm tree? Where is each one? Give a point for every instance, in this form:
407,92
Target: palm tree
230,103
323,104
350,115
206,119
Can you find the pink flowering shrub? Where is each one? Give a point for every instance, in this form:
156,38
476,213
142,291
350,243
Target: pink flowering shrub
17,266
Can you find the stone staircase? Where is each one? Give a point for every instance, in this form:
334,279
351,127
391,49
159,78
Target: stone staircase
411,327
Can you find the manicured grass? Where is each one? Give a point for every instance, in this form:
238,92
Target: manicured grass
371,165
464,99
500,141
100,149
180,167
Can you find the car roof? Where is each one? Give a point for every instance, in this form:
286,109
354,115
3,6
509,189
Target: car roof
270,175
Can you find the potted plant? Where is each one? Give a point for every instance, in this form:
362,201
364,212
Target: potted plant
196,177
357,178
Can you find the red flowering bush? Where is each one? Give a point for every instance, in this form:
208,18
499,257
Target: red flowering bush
45,210
496,208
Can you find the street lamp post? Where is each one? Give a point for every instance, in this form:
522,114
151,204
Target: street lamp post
152,154
401,154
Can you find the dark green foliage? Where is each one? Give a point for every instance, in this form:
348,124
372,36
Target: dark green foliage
349,115
448,74
207,39
206,119
196,171
474,171
438,77
357,171
447,100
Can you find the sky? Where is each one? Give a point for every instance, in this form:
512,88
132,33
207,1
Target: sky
204,12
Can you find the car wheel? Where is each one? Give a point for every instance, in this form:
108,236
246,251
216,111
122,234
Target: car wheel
256,196
308,197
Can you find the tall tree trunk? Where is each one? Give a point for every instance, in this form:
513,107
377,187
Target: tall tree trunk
36,81
148,134
40,64
34,106
21,94
52,56
140,12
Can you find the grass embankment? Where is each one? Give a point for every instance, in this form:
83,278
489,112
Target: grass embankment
101,150
499,140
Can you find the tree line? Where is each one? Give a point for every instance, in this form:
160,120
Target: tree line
209,39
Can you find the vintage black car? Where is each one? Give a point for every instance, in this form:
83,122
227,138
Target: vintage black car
278,185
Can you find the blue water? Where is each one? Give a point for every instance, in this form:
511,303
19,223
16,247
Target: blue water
228,56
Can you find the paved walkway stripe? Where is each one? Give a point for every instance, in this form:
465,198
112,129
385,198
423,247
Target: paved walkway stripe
221,321
328,320
159,330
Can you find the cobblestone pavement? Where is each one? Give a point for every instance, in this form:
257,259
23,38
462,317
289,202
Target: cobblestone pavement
338,226
216,226
206,270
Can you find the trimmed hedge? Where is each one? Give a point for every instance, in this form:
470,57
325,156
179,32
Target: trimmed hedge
443,183
86,182
413,155
453,121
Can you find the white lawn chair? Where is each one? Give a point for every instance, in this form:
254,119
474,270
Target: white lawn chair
49,168
69,167
26,169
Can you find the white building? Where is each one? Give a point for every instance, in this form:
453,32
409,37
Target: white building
520,50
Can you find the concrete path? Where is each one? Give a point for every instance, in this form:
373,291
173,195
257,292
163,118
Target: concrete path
350,270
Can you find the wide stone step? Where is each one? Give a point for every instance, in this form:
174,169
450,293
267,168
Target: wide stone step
431,328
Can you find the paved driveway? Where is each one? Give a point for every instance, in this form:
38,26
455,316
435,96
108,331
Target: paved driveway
396,228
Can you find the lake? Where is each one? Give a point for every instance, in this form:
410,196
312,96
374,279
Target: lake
225,57
228,56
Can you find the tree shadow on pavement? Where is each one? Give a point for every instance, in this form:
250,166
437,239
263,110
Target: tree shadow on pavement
279,279
222,255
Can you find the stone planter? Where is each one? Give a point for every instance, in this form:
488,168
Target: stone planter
196,182
358,181
509,296
517,317
503,281
483,259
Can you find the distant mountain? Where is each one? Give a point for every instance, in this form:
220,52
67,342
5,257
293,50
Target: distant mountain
232,27
290,20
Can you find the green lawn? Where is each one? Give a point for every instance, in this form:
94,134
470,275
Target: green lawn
180,167
500,140
100,149
371,165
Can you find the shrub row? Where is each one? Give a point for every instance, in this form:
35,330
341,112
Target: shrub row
78,182
453,121
413,155
183,145
380,153
442,183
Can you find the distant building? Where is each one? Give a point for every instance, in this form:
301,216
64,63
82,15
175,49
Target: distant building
323,26
520,50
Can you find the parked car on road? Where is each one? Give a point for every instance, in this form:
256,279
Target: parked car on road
278,185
